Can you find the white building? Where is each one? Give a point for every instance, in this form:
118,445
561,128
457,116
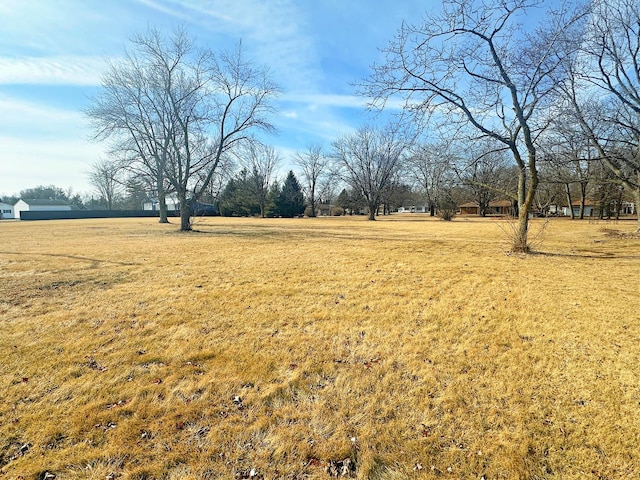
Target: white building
153,204
589,209
413,209
6,211
628,208
39,205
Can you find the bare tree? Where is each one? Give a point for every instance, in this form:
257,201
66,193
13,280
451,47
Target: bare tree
608,60
431,166
369,158
397,194
216,185
179,109
106,177
231,98
549,192
475,64
568,160
328,188
314,163
130,111
261,162
484,170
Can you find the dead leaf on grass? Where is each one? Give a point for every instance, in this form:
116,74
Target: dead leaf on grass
94,365
341,468
119,403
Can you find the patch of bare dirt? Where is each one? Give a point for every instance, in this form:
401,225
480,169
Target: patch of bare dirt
613,233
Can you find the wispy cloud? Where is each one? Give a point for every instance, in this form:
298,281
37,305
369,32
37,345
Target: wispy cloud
274,32
308,125
27,118
42,28
327,100
167,7
58,70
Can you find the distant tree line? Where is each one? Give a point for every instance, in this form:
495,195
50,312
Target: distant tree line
130,197
558,93
494,105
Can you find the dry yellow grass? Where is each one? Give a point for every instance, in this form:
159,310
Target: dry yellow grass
271,348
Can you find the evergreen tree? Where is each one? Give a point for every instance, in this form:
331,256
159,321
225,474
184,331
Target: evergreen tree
343,200
76,200
290,202
236,199
350,201
272,200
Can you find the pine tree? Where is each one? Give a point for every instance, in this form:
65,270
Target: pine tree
350,201
290,202
236,199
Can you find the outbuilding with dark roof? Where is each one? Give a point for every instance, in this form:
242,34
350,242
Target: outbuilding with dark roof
40,205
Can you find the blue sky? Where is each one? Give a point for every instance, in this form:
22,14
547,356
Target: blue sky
52,53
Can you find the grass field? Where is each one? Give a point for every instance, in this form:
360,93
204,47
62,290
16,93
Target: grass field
306,348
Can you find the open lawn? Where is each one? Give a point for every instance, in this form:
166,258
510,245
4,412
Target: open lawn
403,348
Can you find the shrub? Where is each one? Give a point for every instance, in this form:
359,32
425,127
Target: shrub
446,213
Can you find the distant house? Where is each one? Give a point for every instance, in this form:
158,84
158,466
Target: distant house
628,208
153,204
413,209
589,208
40,205
497,207
201,209
6,211
592,209
554,209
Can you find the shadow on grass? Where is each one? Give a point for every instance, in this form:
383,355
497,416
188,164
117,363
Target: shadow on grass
599,256
311,235
94,261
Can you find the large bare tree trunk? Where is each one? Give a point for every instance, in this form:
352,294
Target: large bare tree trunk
372,211
312,203
162,202
583,199
526,195
519,242
569,201
618,201
185,214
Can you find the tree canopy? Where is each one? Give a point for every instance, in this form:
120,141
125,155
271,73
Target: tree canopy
173,110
